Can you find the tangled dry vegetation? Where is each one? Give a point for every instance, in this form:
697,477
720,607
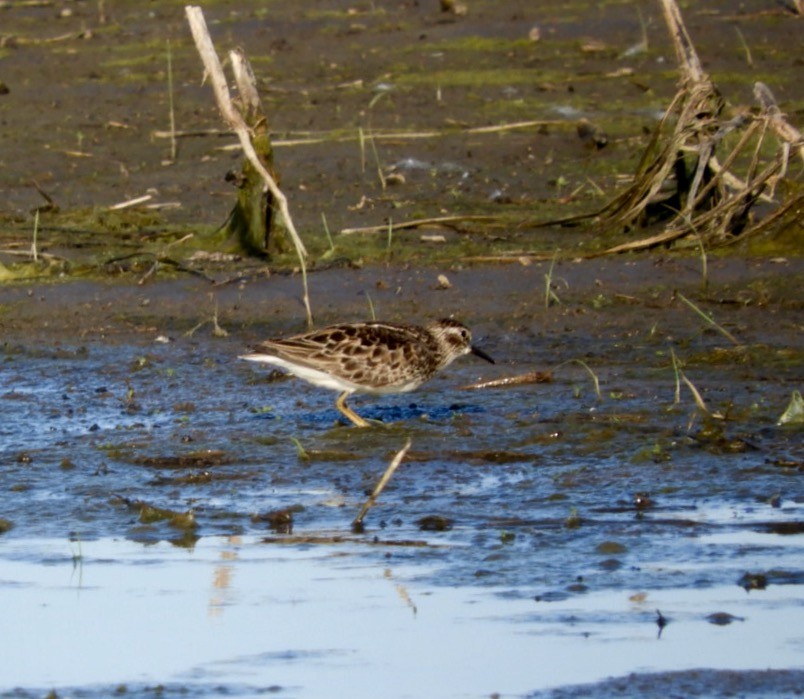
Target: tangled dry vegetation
683,183
681,180
711,175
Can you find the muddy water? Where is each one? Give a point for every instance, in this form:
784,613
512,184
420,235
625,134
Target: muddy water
536,536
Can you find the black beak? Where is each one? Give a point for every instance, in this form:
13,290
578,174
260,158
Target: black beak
480,353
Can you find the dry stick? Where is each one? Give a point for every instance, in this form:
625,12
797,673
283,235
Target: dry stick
530,377
652,241
416,223
358,522
130,202
305,138
232,116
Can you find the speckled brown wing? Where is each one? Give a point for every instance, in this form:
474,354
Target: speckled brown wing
378,356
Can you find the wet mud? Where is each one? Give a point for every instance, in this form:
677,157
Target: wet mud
589,499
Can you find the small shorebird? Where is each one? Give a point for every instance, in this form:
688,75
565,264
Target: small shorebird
372,358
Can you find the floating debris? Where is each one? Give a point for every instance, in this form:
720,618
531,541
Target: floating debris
519,380
794,413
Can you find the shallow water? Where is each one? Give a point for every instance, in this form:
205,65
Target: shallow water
314,622
569,527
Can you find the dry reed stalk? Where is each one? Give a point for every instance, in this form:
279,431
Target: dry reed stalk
234,118
709,200
357,524
446,221
303,138
530,377
130,202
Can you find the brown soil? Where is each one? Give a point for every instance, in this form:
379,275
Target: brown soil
86,95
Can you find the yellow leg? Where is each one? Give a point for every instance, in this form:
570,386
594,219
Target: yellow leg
348,412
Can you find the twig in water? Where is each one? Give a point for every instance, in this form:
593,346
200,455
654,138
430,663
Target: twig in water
357,524
709,319
506,381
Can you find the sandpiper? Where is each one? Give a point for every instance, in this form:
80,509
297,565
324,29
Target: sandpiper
371,358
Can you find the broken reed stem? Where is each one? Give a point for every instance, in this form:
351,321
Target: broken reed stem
234,119
699,401
307,138
696,394
686,55
709,320
357,524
